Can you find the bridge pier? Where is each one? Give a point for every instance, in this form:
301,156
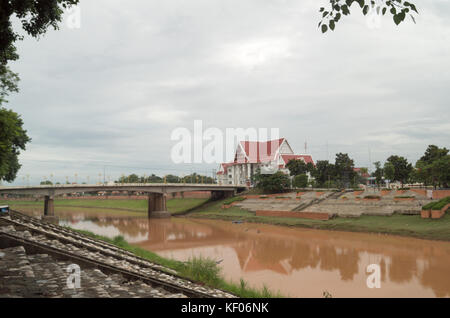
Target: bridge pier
157,205
49,209
219,195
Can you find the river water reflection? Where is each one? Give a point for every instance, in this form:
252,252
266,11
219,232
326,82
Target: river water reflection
298,262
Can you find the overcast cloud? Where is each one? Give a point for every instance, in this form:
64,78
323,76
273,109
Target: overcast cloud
110,93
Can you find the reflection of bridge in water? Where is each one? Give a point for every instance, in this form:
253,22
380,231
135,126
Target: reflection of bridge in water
157,193
285,251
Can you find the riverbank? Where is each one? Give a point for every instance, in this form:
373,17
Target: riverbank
200,270
403,225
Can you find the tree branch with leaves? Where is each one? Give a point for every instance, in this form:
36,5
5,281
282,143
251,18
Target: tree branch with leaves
399,10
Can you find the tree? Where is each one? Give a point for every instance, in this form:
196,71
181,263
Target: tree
296,167
389,171
440,171
338,8
431,167
401,169
46,182
36,16
300,181
344,170
378,174
323,172
172,179
433,153
13,138
271,183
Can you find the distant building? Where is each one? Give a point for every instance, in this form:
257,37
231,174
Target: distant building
272,155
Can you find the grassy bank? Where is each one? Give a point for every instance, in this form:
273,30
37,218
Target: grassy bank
404,225
201,270
173,205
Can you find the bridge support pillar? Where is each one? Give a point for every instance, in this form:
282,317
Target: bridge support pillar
219,195
49,209
157,205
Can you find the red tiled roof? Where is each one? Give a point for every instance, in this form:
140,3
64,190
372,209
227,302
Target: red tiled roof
259,151
225,166
306,158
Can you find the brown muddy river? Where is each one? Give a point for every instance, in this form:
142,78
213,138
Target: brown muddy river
297,262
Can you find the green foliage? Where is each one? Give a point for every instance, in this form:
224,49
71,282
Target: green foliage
270,183
378,173
300,181
433,167
203,270
437,205
441,203
36,16
428,206
344,169
398,169
46,182
399,9
323,172
297,167
13,138
372,197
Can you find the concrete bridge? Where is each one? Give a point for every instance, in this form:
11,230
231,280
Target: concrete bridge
157,192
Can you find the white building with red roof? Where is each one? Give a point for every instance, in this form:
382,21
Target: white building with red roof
268,156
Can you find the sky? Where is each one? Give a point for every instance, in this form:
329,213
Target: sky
103,99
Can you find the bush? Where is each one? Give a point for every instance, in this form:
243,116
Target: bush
300,181
372,197
272,183
330,184
437,205
440,204
428,206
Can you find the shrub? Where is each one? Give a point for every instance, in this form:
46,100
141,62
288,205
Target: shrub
440,204
372,197
272,183
428,206
437,205
300,181
404,197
